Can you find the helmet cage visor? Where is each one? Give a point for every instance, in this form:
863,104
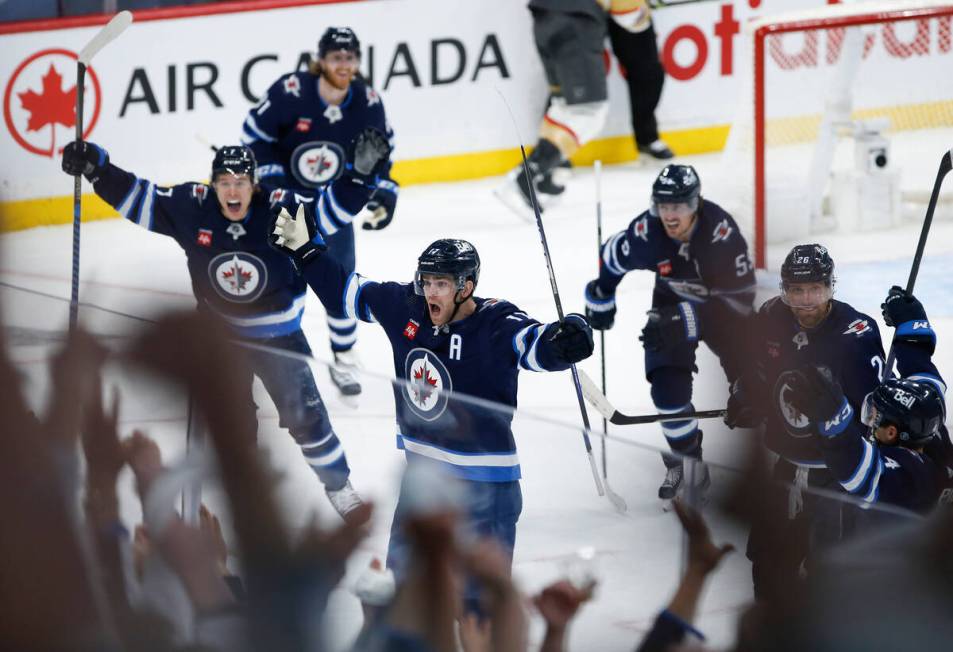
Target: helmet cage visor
808,294
437,284
685,205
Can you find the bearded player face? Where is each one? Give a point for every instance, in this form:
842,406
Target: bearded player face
338,67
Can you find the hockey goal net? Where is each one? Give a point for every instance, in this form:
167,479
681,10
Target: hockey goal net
845,113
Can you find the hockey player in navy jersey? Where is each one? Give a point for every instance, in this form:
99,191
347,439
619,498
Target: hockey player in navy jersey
905,460
236,275
804,325
299,132
704,287
444,337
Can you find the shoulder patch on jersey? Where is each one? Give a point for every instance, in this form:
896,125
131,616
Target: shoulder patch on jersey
857,327
488,303
292,85
641,228
722,231
372,96
277,196
199,192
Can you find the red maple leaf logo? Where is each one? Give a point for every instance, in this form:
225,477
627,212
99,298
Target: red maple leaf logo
52,105
423,382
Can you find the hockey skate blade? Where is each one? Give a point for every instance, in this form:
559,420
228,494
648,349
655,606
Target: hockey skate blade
511,197
595,396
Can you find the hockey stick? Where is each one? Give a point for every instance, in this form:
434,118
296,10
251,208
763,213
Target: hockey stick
113,28
556,299
599,401
613,497
946,163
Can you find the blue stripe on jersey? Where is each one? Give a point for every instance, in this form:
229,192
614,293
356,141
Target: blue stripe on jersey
337,212
270,324
352,298
609,258
125,206
874,494
324,223
524,345
479,467
254,132
861,473
147,207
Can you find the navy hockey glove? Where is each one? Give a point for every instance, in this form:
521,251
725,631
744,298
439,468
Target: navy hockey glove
811,391
744,401
82,157
367,154
297,236
600,307
669,327
572,340
906,313
382,205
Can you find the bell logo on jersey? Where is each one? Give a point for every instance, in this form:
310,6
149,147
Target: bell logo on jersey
204,238
426,378
303,125
664,267
317,163
721,232
238,276
857,327
410,330
292,86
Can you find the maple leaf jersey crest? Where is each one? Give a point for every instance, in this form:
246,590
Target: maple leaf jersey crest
722,231
238,276
857,327
425,379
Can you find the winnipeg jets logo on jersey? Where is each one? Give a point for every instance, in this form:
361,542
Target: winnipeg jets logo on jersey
857,327
199,192
426,378
292,86
642,229
721,232
796,424
317,163
372,96
238,276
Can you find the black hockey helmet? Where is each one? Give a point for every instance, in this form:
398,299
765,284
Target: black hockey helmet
676,184
914,407
452,257
808,263
234,159
338,38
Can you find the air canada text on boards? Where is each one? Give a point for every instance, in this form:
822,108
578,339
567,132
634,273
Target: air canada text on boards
192,85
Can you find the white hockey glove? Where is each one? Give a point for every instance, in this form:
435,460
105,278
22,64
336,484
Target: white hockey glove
297,235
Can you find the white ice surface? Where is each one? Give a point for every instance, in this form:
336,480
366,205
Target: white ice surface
131,271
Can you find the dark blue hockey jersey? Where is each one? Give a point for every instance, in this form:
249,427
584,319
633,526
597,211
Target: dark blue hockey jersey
300,142
713,264
480,355
889,474
234,271
847,342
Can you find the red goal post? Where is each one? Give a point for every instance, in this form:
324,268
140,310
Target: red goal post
926,31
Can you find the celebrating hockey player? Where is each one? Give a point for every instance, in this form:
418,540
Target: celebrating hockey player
704,287
223,229
904,461
804,325
443,337
299,132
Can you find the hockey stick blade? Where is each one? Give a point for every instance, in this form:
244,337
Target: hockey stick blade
113,28
599,401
